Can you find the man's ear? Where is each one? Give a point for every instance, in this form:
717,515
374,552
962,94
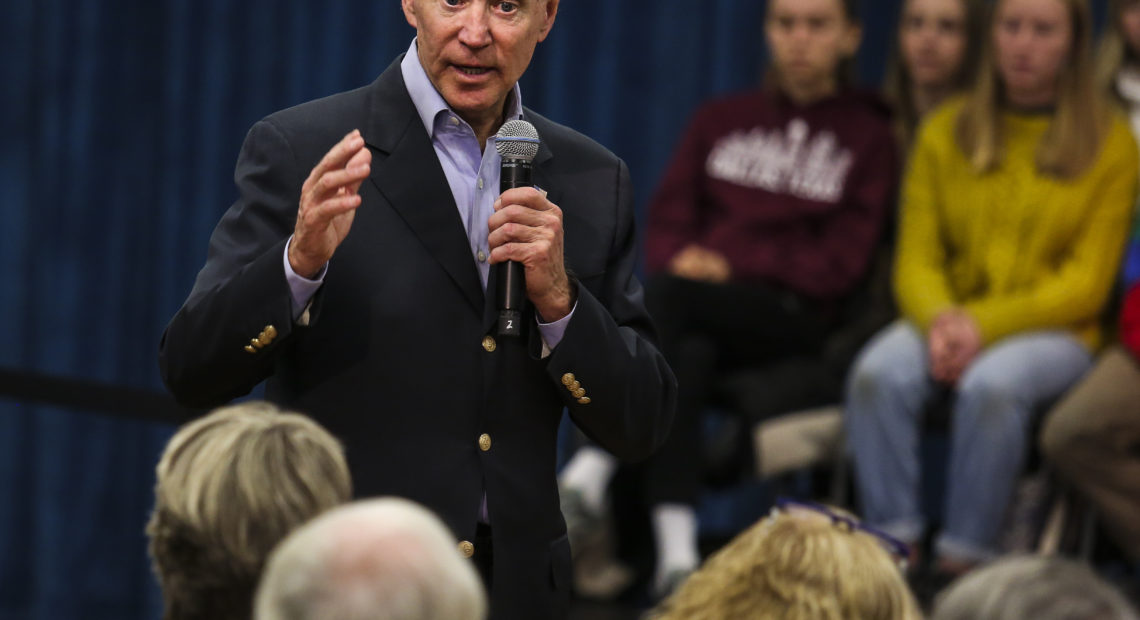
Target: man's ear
409,7
549,12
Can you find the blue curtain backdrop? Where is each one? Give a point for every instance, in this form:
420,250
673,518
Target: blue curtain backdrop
121,121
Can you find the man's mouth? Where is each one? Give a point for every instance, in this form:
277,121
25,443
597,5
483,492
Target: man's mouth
472,70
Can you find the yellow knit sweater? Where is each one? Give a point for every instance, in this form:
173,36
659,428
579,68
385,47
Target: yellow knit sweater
1017,249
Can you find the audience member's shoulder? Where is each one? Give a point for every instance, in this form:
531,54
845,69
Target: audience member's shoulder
567,142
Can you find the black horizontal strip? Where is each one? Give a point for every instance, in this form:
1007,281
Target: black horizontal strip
83,395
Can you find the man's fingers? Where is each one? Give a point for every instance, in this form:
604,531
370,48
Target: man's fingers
363,156
520,214
318,216
512,232
361,162
525,196
518,251
339,155
331,182
522,225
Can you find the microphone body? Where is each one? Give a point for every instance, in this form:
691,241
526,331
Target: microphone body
517,144
509,277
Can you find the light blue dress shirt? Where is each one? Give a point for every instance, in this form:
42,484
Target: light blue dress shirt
473,176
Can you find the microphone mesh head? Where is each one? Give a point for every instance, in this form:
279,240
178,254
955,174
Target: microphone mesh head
517,139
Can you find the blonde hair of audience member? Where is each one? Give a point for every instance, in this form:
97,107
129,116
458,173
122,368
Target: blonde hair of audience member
1037,587
797,566
946,36
230,486
1117,48
1081,117
382,558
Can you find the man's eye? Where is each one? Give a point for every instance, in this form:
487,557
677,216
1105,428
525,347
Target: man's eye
452,2
508,7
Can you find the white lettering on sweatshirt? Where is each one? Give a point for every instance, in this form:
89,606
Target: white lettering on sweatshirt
789,163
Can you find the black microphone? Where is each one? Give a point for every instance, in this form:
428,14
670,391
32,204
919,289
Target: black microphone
517,144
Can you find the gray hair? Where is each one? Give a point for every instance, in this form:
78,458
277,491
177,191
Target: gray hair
1042,588
381,558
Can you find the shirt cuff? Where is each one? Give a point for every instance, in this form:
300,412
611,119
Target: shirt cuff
301,289
552,332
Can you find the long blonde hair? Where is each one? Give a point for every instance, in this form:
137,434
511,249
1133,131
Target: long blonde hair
1079,123
796,567
898,82
1113,52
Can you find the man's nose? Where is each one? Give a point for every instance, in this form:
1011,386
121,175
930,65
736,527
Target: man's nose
476,29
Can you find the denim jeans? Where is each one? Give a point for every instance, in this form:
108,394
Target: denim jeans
994,402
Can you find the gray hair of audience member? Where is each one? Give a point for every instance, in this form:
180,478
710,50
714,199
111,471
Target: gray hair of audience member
231,485
1038,587
379,558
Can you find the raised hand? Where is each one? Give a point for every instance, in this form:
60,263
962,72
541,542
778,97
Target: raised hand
329,198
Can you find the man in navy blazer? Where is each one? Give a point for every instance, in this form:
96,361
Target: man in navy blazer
352,274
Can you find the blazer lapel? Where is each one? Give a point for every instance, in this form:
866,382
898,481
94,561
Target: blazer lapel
412,180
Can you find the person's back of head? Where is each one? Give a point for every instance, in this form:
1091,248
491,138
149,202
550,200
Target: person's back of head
230,486
796,565
1042,588
381,558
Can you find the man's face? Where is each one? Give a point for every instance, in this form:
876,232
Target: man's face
475,50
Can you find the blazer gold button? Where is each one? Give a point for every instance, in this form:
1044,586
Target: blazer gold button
568,378
257,343
484,442
585,400
249,349
270,332
466,549
575,385
579,393
489,344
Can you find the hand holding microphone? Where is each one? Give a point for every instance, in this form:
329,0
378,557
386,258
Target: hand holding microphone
526,231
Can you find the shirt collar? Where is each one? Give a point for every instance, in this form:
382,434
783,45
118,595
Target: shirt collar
429,103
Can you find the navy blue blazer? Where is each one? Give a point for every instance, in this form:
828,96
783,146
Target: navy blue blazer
400,358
